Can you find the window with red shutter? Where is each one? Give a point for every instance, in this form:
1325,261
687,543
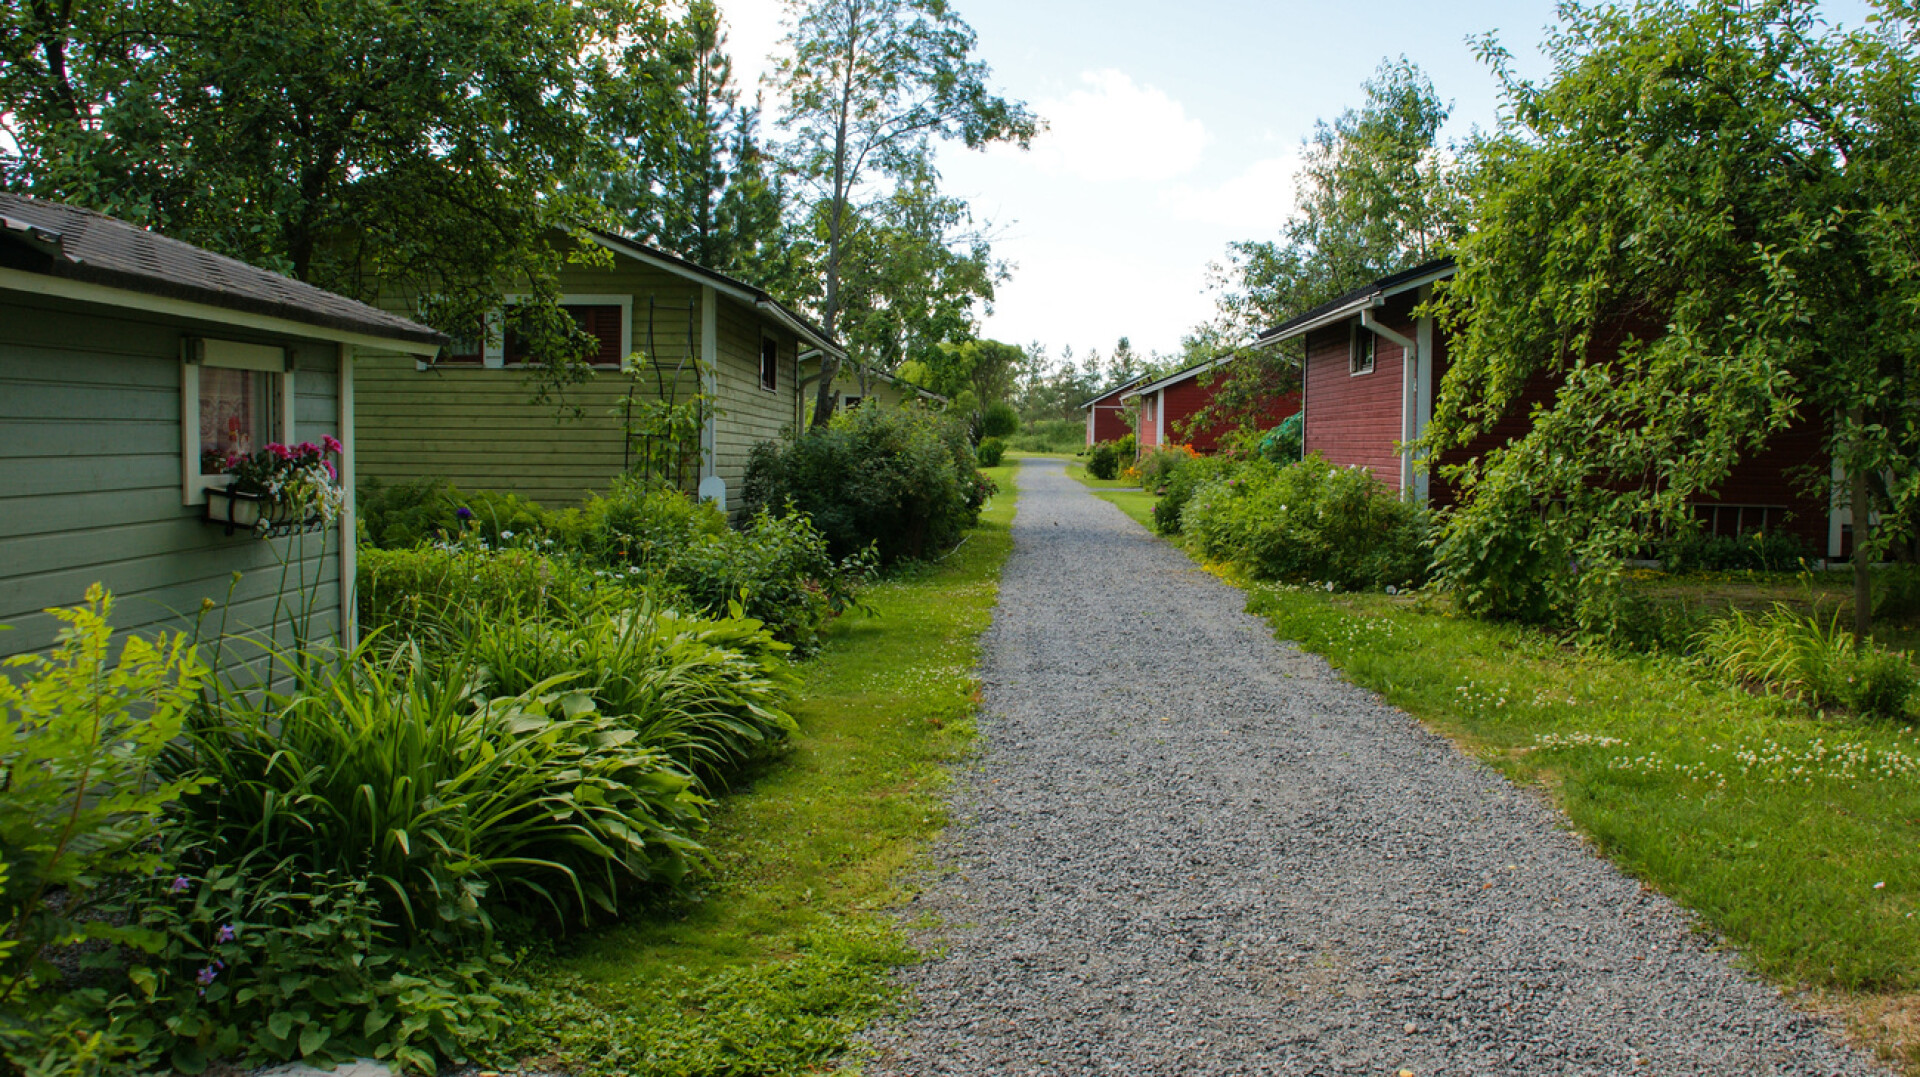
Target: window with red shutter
600,321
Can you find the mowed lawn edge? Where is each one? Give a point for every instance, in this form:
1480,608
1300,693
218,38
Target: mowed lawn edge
1793,835
789,953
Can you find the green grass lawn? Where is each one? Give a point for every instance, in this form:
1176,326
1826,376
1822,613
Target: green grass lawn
1079,471
1135,503
790,951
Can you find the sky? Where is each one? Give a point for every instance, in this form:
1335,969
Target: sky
1173,130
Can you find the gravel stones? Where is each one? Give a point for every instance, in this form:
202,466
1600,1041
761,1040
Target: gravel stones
1187,848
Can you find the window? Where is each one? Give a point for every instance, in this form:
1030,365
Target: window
769,363
235,399
606,318
1360,358
604,322
851,402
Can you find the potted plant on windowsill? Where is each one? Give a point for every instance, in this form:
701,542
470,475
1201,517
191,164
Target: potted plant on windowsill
280,490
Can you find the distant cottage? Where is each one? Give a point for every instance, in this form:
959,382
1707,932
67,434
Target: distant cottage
468,415
133,366
1167,408
1372,368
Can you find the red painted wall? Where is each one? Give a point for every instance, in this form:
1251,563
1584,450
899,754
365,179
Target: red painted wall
1355,419
1772,478
1108,422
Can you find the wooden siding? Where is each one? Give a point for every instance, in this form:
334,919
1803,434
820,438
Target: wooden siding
480,428
749,414
1354,420
1146,430
1186,399
90,479
1109,420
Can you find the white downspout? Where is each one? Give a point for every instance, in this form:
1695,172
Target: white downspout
349,567
712,487
1410,353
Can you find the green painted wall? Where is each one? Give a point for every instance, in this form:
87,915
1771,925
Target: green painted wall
479,427
90,478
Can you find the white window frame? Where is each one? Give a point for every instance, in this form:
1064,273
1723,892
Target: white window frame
759,375
1362,343
493,355
197,352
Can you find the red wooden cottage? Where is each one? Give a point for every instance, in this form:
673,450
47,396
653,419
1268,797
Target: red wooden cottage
1106,416
1371,371
1167,408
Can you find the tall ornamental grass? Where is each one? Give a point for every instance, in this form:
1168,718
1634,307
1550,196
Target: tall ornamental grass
1788,654
453,801
712,695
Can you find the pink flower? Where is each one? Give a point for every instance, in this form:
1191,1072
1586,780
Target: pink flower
331,473
331,443
279,450
307,448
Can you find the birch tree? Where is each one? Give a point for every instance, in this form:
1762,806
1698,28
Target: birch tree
868,87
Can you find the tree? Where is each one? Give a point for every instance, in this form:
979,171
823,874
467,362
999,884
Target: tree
870,84
1376,195
690,175
360,145
1701,228
914,275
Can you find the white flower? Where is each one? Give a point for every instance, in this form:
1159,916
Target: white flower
505,535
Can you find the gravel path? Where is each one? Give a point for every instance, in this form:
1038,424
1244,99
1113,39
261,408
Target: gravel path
1190,849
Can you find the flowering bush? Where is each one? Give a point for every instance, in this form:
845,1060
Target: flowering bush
301,477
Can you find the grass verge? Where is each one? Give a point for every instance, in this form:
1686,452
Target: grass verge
1794,835
1137,504
788,954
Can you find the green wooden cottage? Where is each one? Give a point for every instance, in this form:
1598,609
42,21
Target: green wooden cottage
852,387
129,365
469,416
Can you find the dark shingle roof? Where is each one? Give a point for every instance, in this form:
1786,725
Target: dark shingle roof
78,244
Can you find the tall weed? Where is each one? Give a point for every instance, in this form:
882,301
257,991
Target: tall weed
1786,653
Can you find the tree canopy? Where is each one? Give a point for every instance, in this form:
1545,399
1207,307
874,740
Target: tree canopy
1701,228
869,86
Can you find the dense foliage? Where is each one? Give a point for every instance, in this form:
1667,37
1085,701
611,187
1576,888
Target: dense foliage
903,482
1308,522
637,536
1105,461
1698,229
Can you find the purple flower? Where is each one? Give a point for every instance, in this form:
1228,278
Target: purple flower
225,934
178,884
464,513
206,975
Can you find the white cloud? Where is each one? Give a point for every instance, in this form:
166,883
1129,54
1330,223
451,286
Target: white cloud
1116,129
1068,292
1259,199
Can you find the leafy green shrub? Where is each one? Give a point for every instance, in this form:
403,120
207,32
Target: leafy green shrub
434,591
1050,435
1789,654
434,510
710,694
80,812
999,420
1126,449
1281,444
453,804
1104,462
1178,485
1879,683
259,963
1498,558
902,480
1769,551
1896,592
1159,466
990,451
1309,522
